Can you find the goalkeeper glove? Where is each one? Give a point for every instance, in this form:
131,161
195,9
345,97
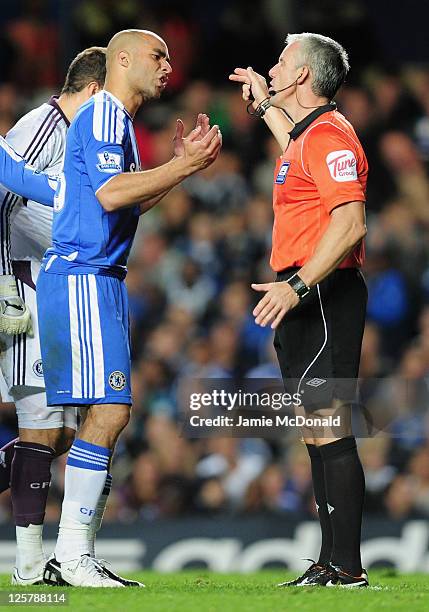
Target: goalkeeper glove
15,317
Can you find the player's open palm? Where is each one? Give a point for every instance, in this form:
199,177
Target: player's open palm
201,152
202,122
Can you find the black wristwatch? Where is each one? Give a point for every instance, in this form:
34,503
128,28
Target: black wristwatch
298,286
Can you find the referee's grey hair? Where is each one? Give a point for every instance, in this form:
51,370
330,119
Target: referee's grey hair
327,60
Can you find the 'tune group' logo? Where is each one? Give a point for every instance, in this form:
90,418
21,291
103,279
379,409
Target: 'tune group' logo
342,165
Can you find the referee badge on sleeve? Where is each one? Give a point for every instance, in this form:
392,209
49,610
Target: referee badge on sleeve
282,173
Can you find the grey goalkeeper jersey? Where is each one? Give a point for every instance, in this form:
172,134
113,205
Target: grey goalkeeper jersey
26,226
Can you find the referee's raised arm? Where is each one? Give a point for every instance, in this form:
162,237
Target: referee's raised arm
255,91
317,304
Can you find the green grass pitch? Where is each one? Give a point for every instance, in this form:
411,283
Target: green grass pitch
193,591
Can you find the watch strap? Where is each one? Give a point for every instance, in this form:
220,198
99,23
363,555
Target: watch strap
298,286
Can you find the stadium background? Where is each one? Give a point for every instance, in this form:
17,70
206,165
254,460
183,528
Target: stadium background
196,254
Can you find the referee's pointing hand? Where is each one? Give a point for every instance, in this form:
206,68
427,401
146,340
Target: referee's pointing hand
277,301
253,84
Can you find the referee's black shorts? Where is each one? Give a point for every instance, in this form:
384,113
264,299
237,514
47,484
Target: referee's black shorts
318,342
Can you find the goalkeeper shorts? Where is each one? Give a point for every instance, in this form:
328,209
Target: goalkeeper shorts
84,337
20,358
318,343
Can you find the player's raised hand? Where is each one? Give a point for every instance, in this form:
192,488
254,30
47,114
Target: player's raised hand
203,123
254,85
200,152
178,138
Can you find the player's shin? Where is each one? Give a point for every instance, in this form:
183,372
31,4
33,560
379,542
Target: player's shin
85,477
98,516
30,480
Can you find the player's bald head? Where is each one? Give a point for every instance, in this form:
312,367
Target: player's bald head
130,41
137,63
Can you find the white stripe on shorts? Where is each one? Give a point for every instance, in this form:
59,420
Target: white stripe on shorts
82,337
87,336
74,338
97,340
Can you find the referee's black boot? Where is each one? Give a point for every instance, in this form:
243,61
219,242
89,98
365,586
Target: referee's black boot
315,575
347,581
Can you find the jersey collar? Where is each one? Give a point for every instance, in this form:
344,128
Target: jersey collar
53,101
301,126
117,101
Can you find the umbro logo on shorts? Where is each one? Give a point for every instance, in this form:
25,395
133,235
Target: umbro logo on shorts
117,380
316,382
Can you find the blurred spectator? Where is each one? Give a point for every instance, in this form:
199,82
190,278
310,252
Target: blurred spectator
36,39
374,454
191,289
236,463
406,166
221,187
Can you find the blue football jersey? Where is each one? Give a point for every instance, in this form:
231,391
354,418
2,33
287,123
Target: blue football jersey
86,239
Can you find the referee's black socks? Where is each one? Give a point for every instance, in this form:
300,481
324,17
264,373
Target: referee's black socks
345,491
318,476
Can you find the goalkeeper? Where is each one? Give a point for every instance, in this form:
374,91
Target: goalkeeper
20,178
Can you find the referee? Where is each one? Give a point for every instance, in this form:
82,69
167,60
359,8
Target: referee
317,306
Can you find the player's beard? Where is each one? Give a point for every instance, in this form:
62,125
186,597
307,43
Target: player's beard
151,94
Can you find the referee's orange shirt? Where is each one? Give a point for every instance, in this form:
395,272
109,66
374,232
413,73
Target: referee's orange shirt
323,167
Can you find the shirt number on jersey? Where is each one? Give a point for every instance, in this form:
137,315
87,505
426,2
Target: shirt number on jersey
282,173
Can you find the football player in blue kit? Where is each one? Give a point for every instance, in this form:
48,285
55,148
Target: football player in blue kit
82,298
